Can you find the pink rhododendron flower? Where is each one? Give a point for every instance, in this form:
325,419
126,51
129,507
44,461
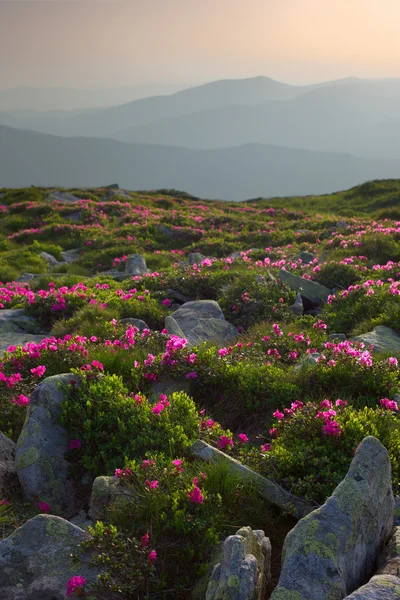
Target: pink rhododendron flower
195,495
224,441
243,438
38,371
389,404
44,507
178,464
266,447
278,415
75,444
144,540
75,583
152,556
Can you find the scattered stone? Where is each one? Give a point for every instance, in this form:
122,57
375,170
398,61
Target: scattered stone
74,216
384,339
177,296
25,277
389,561
141,325
333,550
308,289
49,258
62,197
201,321
14,320
70,256
8,478
165,230
41,467
135,265
245,570
35,560
342,225
305,257
17,339
81,520
195,258
271,491
297,308
105,491
168,387
307,361
337,337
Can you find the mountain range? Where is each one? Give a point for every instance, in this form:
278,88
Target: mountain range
229,139
236,173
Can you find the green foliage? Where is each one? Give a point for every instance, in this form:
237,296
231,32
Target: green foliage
334,275
311,464
115,427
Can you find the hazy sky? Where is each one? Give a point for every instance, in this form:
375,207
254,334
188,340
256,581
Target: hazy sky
124,42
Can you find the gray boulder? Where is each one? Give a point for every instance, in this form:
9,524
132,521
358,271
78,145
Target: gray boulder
14,320
165,230
297,308
305,257
337,337
49,258
70,256
168,387
307,362
7,464
25,277
105,491
334,549
245,570
308,289
141,325
135,265
35,560
384,339
201,321
41,467
195,258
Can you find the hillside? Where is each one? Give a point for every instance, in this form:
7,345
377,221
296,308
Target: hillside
155,346
29,158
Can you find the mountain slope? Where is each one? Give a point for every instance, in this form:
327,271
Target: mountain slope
29,158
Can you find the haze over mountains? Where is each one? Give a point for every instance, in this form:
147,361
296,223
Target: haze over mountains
230,139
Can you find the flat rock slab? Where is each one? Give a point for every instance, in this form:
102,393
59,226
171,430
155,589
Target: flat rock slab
333,550
271,491
383,339
41,467
308,289
380,587
35,560
14,320
18,339
62,197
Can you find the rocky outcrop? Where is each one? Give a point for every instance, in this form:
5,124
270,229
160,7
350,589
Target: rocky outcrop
297,308
62,197
70,256
333,551
168,387
41,467
268,489
380,587
245,570
383,339
201,321
308,289
135,265
35,560
195,258
305,257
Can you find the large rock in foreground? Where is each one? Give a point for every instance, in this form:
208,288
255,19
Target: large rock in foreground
201,321
41,467
245,570
333,551
35,560
383,339
7,464
308,289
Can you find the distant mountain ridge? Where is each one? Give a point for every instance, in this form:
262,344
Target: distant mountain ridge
236,173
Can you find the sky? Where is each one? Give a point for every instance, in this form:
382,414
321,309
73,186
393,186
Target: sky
106,43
